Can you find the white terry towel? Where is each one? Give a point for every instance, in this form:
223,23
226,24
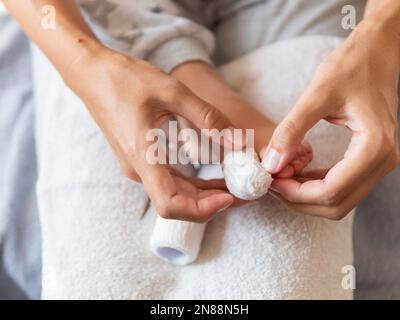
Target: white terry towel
276,253
179,242
95,240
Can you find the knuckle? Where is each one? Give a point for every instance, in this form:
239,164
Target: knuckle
172,90
385,137
285,133
394,159
339,212
332,198
381,145
388,144
336,214
211,117
165,212
167,91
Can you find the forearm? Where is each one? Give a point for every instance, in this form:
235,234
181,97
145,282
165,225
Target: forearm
378,34
371,6
383,15
387,5
69,42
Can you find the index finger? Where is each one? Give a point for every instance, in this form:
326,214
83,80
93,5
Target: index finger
359,161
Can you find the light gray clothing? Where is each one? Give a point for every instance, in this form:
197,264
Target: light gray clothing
154,30
20,242
168,33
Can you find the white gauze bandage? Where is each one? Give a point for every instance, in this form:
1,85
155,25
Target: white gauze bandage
244,175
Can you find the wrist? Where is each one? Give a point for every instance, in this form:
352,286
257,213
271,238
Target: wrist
94,63
383,25
377,38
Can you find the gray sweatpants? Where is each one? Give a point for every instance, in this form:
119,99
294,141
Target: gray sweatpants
241,26
168,33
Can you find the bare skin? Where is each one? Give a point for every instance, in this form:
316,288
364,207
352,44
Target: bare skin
347,88
204,81
128,98
355,87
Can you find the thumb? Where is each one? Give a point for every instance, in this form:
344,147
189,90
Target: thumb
289,134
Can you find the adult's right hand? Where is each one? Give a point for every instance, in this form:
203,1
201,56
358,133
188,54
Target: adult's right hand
127,98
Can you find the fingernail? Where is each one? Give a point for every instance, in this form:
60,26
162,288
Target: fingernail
235,138
270,160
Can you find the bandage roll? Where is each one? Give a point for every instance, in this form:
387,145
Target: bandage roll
179,242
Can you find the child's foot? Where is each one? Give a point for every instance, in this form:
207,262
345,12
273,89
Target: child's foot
302,158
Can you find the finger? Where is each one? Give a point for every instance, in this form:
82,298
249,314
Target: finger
340,210
287,172
340,180
158,183
315,174
201,183
174,202
173,197
303,158
205,116
213,202
209,184
237,202
291,130
217,184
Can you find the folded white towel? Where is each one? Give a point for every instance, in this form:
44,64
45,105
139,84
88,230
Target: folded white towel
96,239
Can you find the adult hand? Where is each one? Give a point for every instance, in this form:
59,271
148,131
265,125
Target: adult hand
129,97
205,82
356,87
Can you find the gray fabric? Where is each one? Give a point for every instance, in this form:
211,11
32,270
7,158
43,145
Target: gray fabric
241,26
377,240
20,234
9,290
154,30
